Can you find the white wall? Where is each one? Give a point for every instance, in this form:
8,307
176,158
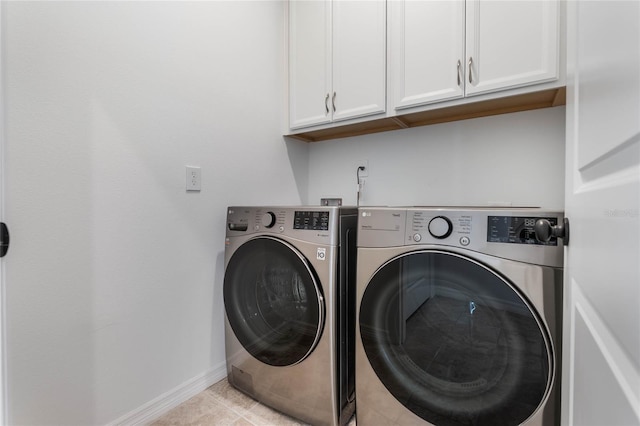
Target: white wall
514,158
114,276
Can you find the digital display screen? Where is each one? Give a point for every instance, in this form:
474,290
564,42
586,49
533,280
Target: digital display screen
516,230
312,220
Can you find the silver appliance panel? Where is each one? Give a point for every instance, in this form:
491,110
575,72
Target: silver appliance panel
315,224
506,232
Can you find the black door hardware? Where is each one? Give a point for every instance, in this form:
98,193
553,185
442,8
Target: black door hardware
4,239
545,230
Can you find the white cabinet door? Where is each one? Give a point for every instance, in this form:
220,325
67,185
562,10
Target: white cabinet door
499,45
510,44
309,63
359,58
427,49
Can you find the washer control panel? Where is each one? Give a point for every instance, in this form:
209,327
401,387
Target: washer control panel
314,220
310,223
265,219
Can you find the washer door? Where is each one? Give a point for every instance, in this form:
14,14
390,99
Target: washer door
273,302
454,342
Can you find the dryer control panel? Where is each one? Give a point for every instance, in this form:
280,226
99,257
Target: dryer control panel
505,232
516,230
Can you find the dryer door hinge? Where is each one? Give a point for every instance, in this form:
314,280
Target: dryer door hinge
545,230
4,239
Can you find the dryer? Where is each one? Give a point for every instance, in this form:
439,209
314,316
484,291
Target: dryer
458,317
289,297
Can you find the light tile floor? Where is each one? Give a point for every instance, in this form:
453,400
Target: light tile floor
221,404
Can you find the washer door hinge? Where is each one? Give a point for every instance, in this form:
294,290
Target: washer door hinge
4,239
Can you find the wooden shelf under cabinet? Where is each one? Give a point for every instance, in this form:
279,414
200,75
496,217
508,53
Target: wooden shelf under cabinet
528,101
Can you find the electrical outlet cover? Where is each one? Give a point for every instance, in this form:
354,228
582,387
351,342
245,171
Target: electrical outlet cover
194,180
364,163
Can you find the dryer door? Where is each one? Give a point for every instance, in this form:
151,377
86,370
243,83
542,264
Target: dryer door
454,342
273,302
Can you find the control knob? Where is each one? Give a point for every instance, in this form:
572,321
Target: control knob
440,227
268,219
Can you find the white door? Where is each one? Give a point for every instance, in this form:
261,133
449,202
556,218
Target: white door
359,58
3,419
427,51
510,44
309,63
601,366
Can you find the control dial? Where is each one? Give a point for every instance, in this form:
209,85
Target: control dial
268,219
440,227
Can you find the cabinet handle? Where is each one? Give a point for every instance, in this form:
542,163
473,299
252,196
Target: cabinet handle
326,104
333,101
459,65
470,64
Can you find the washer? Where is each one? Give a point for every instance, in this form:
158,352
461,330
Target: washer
289,296
459,315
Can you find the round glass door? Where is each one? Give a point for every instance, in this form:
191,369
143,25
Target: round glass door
454,342
273,302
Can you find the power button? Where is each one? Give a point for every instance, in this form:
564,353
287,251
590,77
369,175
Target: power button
417,237
465,241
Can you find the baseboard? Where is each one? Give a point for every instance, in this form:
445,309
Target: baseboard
171,399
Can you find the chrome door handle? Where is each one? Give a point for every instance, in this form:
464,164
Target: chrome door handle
326,104
459,65
333,101
470,64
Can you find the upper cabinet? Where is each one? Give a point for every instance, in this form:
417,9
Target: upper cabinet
443,50
309,63
358,67
337,61
511,44
426,51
